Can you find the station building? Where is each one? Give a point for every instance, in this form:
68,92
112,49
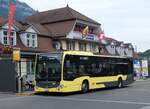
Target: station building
57,30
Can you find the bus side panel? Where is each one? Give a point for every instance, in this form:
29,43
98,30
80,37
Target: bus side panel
107,81
75,85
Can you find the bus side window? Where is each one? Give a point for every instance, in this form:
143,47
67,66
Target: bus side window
70,67
81,69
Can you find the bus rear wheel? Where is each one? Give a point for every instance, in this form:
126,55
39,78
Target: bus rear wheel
120,83
84,87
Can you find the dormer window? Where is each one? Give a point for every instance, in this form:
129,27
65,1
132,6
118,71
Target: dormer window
5,33
5,41
9,40
31,40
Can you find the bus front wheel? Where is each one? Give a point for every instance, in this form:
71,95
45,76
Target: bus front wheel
84,87
120,83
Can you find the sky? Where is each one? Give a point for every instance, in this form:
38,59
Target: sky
123,20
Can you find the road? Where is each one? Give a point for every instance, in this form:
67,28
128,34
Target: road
135,96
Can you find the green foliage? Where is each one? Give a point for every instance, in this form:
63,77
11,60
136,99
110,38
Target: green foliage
145,54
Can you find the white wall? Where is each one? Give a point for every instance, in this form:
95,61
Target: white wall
1,33
111,49
31,30
23,38
120,50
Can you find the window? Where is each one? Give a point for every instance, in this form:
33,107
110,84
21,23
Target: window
11,41
33,36
28,42
70,45
5,33
76,66
71,67
28,35
93,47
30,67
91,30
82,46
33,43
7,40
57,44
31,40
12,33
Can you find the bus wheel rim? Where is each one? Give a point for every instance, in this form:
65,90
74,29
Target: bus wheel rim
84,87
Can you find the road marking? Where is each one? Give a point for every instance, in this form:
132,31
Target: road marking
97,100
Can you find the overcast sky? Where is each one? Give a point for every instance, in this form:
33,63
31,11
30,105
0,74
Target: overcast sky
124,20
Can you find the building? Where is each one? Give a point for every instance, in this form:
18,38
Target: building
117,48
56,30
30,39
66,26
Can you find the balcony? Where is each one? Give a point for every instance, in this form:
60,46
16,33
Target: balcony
78,35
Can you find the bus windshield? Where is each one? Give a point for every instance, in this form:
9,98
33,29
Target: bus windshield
49,67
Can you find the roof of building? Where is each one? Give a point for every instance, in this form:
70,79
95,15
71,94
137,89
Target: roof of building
44,45
60,29
57,15
109,39
2,21
128,45
42,30
22,26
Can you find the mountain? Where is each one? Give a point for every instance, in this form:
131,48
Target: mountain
145,54
22,9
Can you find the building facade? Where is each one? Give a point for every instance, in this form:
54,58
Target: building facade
66,30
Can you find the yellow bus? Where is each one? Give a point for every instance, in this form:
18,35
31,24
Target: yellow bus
71,71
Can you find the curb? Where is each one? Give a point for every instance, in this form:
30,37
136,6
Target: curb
142,79
25,94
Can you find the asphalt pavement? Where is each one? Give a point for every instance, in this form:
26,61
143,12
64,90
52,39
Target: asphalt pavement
135,96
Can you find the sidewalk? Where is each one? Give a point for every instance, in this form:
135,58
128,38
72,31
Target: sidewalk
26,93
141,79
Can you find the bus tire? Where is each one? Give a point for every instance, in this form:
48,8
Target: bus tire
120,83
85,86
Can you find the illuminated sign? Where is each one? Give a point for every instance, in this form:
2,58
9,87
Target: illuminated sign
16,55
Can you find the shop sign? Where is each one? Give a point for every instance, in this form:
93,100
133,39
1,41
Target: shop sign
90,37
16,55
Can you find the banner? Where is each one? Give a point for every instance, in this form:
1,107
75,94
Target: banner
12,9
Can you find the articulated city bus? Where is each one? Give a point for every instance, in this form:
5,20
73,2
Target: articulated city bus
71,71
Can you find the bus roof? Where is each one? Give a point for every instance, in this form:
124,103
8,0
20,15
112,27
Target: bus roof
84,53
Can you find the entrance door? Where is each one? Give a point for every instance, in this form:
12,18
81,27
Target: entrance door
7,75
